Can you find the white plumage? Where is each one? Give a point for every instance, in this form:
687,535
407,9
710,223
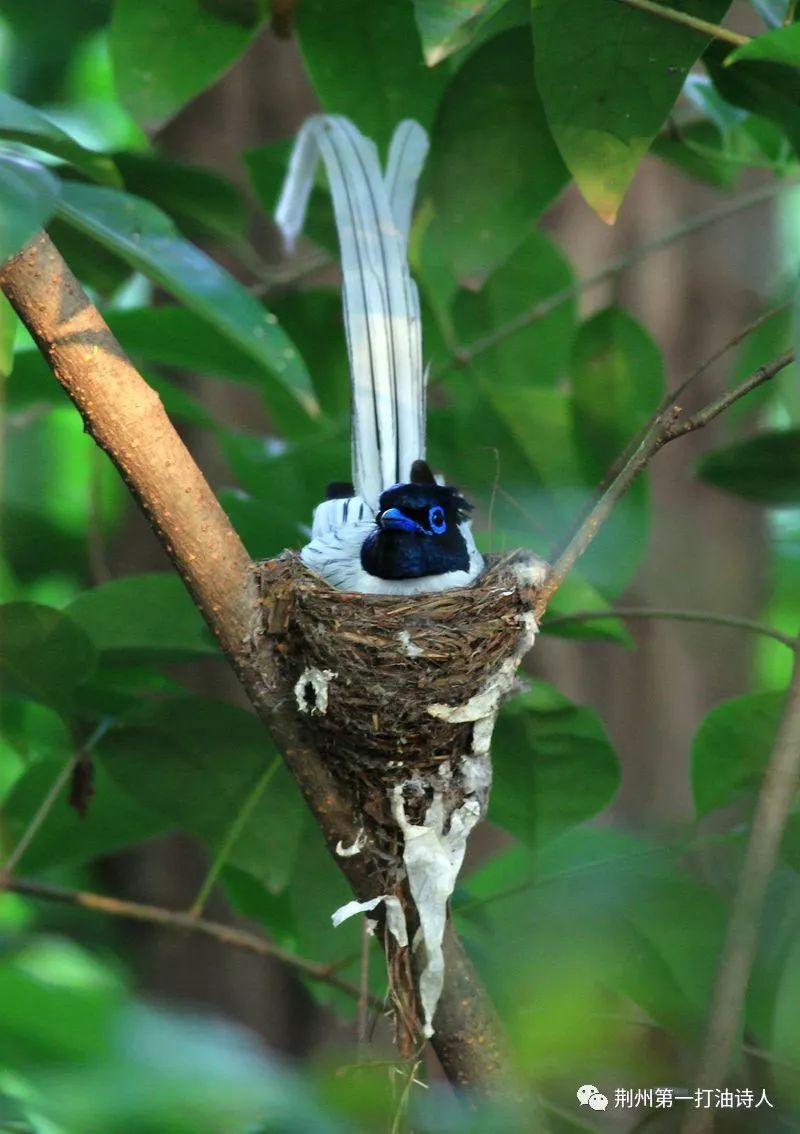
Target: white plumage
384,340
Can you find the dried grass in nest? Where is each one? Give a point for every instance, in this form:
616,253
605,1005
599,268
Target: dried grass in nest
380,661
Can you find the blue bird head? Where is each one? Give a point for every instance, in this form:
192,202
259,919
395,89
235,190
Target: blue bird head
418,532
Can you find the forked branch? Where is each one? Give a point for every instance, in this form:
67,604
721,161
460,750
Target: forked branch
127,420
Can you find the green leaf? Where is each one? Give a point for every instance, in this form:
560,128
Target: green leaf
199,763
201,202
785,1029
143,614
536,355
575,595
178,1073
293,480
55,477
114,819
554,766
447,25
677,927
44,654
165,52
731,749
22,123
55,1008
28,194
366,63
773,92
617,383
781,45
699,151
494,166
765,469
604,109
34,731
313,319
264,527
143,236
13,1119
8,332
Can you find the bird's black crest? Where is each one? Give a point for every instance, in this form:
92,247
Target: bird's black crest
339,490
424,495
421,473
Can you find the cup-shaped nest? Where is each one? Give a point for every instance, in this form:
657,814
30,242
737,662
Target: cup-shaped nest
395,688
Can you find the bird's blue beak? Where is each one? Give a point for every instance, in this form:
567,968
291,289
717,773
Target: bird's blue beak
396,520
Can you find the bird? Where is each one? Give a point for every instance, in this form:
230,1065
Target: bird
397,529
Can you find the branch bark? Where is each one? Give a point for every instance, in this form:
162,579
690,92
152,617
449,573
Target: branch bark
127,420
177,919
684,19
665,426
741,939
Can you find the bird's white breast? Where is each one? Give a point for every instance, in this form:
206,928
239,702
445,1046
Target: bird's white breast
338,531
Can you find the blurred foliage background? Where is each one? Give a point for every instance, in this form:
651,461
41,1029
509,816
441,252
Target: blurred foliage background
151,137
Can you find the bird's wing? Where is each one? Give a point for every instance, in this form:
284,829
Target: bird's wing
381,303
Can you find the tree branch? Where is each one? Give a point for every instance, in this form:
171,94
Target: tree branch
741,939
665,426
127,420
704,616
694,23
463,356
177,919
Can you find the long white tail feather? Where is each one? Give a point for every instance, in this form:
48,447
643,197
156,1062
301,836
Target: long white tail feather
381,303
407,152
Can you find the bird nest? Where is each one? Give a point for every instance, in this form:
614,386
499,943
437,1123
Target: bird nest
402,691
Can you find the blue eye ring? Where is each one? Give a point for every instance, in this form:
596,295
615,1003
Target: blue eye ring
436,519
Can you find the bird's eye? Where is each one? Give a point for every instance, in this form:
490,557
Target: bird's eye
436,519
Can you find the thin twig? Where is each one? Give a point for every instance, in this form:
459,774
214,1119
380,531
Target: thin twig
672,396
715,408
127,419
728,208
82,752
730,620
230,840
362,1014
741,939
673,16
39,816
665,427
177,919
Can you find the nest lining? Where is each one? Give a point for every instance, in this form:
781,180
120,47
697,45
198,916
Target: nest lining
368,669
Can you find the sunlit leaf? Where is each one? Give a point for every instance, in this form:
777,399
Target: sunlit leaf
603,111
781,45
143,236
20,122
447,25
